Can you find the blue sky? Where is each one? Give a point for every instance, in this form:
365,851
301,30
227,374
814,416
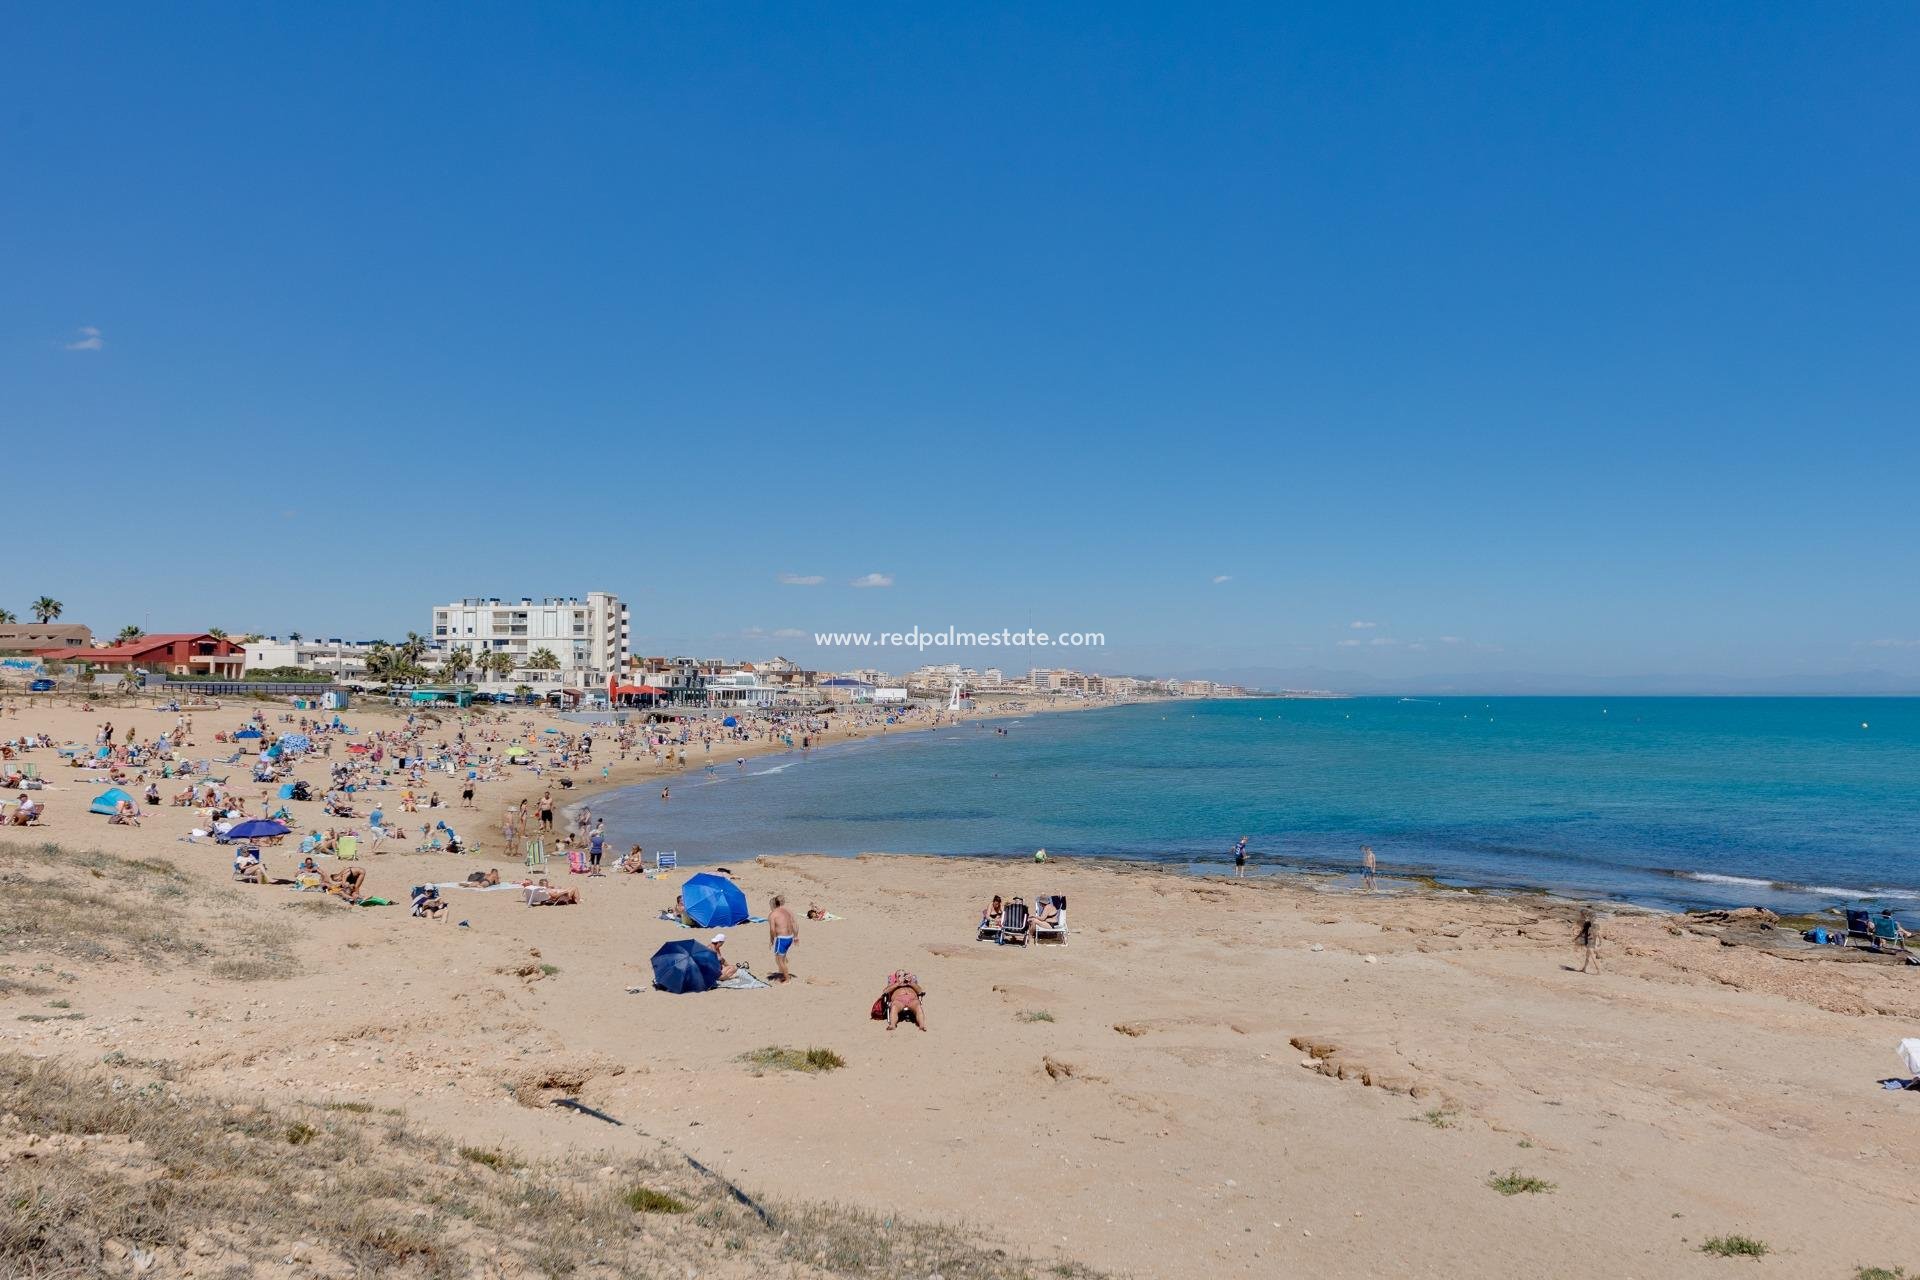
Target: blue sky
1582,336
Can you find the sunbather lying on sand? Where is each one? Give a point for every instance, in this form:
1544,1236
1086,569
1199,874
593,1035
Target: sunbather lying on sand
541,893
484,879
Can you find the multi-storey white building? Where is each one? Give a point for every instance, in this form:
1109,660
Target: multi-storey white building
588,638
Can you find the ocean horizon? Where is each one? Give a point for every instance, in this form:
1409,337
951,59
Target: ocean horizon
1792,803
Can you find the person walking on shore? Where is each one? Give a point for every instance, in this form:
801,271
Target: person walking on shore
1367,867
1240,858
782,933
1589,940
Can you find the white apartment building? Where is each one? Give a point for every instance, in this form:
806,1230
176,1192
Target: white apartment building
589,637
343,658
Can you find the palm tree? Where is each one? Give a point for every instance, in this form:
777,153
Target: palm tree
46,608
458,662
252,637
501,662
543,660
414,647
216,633
294,636
6,615
128,634
522,690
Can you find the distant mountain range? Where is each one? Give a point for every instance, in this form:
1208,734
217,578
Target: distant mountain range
1519,683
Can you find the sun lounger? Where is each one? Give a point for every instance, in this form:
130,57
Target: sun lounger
989,929
1013,924
1056,932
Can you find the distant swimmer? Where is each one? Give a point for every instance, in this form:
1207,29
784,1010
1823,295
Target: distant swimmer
666,793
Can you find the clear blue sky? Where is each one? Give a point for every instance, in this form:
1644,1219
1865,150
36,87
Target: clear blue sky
1585,336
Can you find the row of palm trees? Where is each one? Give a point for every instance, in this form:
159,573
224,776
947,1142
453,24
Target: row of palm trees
404,662
45,609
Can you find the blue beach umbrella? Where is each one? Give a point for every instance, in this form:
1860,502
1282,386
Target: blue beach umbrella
107,801
729,723
684,965
246,733
713,902
257,829
296,742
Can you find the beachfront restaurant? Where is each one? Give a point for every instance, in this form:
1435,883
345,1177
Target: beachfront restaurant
738,689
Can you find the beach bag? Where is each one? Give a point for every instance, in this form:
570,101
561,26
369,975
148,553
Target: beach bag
880,1009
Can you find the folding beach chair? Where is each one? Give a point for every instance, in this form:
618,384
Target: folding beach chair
1860,925
1886,933
347,848
665,860
536,853
1057,931
1013,923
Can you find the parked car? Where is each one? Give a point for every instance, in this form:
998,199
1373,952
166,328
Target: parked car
41,686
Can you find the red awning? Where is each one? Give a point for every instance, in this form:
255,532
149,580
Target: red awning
638,689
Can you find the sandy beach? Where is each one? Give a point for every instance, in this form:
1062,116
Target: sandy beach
1257,1077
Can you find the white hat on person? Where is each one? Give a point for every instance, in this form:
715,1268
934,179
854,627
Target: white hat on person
718,937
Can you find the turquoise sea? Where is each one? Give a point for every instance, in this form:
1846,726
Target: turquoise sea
1791,803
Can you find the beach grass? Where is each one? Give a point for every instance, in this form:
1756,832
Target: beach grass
1036,1015
647,1200
90,906
1881,1273
146,1170
1736,1247
1515,1183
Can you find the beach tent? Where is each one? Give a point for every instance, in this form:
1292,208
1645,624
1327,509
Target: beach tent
272,752
685,965
107,801
256,829
713,902
286,791
729,723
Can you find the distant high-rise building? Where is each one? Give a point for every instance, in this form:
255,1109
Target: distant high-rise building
589,638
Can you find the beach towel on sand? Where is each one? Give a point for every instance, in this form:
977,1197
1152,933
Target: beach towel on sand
742,981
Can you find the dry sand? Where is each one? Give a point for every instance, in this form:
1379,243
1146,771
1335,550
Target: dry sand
1230,1077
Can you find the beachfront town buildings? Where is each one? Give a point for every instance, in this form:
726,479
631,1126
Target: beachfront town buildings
181,653
588,637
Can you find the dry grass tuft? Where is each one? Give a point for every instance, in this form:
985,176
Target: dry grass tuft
776,1058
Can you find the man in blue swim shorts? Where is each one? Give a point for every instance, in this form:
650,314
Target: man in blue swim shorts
782,932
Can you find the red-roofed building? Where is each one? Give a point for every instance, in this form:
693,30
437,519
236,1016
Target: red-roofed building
176,654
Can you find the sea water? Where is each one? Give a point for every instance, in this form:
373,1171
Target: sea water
1791,803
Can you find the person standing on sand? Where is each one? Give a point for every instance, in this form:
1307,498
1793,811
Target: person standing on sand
1367,866
1240,858
782,933
546,811
1589,939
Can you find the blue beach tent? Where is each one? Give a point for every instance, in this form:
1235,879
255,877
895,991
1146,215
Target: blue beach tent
685,965
257,829
730,722
107,801
713,902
